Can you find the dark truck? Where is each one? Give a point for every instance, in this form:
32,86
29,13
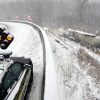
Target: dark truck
16,75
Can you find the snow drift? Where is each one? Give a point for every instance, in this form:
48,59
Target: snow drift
77,69
89,65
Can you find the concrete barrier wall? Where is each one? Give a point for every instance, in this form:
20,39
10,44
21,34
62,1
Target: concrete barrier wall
89,38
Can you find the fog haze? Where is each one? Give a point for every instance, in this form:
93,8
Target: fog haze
81,14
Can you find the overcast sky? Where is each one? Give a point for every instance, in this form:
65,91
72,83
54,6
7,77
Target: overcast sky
2,1
94,0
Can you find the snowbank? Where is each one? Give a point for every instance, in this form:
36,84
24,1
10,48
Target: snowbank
89,64
77,70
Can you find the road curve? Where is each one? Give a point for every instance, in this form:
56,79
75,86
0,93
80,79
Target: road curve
49,89
50,85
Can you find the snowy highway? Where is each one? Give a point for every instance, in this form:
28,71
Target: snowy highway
62,69
27,43
31,41
60,40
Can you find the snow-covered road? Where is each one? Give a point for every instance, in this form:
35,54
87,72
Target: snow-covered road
27,43
31,41
70,73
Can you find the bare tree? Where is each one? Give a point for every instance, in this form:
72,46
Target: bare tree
81,8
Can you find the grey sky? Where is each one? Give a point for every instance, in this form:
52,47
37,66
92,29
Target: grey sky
3,1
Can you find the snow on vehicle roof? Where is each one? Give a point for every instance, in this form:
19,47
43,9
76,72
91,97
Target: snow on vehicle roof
5,52
4,65
21,59
81,32
3,26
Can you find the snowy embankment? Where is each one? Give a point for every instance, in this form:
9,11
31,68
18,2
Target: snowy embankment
51,85
77,69
89,63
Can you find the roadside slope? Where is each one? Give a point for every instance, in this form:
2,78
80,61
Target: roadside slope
78,72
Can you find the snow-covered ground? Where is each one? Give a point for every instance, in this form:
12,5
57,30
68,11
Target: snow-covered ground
77,69
27,43
71,73
31,41
51,83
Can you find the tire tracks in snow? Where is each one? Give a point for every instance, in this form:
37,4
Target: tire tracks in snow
38,29
49,88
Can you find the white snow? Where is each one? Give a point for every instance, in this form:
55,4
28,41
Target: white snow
75,83
51,85
65,78
27,43
81,32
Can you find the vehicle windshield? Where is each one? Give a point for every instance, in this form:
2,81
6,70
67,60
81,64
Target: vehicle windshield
3,92
10,78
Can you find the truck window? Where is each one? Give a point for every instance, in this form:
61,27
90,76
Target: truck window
10,78
16,69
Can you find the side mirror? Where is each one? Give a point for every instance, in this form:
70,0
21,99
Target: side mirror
27,66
